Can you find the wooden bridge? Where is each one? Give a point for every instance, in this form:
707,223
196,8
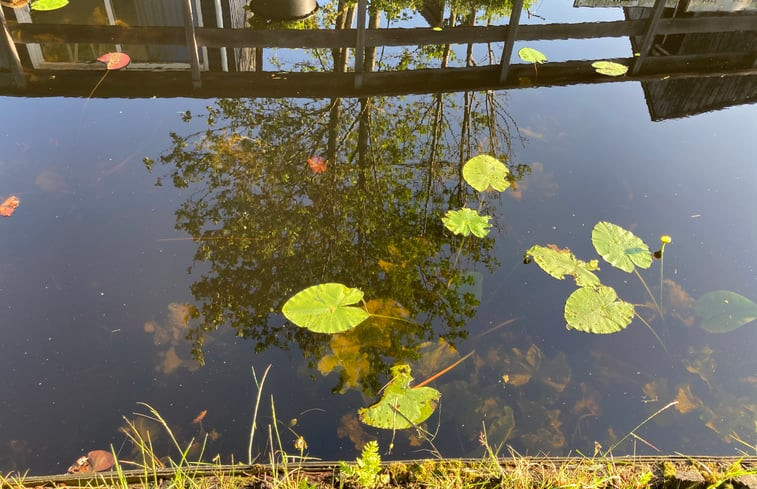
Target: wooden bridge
737,59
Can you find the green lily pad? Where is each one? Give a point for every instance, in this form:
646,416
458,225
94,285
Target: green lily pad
326,308
401,406
483,172
597,310
721,311
620,247
44,5
609,68
467,221
531,55
561,262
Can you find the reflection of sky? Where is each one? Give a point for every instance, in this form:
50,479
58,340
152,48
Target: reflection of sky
84,269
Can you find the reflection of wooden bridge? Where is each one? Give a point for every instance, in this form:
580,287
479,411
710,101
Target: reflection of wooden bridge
20,79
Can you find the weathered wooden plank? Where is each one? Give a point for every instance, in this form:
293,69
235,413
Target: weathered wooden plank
143,84
362,6
343,38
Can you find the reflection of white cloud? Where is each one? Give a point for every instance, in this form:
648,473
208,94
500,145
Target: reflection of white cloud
537,184
171,334
531,134
50,181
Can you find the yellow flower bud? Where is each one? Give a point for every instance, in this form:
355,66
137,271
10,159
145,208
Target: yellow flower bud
665,239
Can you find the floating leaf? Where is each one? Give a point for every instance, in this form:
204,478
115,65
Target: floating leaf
467,221
609,68
531,55
326,308
721,311
9,205
560,262
114,61
620,247
44,5
401,406
317,164
483,172
597,310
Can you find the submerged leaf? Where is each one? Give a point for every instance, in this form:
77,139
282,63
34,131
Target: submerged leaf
94,461
467,221
114,61
597,310
609,68
721,311
483,172
620,247
326,308
401,406
317,164
560,262
9,205
531,55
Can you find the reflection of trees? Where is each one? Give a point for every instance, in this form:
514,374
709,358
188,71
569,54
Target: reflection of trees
267,227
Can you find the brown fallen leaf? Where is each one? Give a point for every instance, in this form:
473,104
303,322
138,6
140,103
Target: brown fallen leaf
200,417
9,205
94,461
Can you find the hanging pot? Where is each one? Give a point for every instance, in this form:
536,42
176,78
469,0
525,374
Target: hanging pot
283,9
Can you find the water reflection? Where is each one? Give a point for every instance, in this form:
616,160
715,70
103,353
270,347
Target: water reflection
267,225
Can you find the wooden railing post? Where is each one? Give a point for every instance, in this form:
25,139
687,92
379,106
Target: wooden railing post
649,34
512,32
189,30
6,43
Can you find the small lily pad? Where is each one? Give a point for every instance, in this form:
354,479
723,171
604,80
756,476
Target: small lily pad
609,68
467,221
326,308
45,5
597,310
620,247
401,406
561,262
721,311
484,172
531,55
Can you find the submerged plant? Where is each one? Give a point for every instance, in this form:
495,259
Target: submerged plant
366,468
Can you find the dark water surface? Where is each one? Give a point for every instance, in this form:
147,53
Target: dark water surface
101,279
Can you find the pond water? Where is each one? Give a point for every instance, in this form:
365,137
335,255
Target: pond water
125,281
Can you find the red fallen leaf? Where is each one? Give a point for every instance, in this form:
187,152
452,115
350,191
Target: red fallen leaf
115,61
317,164
9,205
200,417
94,461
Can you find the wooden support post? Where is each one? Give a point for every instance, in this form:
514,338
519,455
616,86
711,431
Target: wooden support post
512,32
649,34
360,43
6,43
189,30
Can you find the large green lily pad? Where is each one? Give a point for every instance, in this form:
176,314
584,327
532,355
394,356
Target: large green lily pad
721,311
401,406
597,310
484,172
467,221
561,262
326,308
620,247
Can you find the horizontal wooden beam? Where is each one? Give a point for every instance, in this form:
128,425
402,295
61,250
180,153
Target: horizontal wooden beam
145,84
333,39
